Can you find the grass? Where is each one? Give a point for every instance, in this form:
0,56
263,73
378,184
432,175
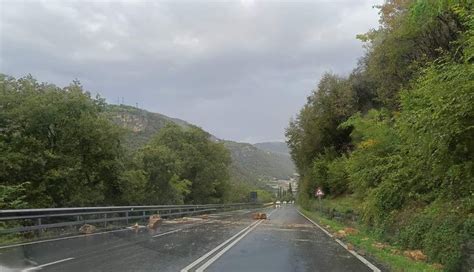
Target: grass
365,243
343,204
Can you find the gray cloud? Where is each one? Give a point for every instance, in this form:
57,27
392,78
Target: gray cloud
238,69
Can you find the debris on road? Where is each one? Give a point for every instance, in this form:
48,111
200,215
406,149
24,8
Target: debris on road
87,229
259,215
154,221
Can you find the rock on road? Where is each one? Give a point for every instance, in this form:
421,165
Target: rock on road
230,241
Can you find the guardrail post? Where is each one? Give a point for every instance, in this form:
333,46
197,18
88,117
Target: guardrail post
126,216
105,220
143,216
39,224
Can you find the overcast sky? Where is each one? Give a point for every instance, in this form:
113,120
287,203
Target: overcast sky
237,69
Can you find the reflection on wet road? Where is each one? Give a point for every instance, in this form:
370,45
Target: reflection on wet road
230,241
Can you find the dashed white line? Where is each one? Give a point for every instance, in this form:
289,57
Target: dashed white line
168,232
60,239
44,265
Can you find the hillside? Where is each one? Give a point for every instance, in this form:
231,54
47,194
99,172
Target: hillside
250,165
275,147
253,164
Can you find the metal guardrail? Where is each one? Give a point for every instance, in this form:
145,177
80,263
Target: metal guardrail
28,220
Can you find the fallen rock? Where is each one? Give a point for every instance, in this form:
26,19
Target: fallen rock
258,216
87,229
350,231
340,234
350,246
438,266
416,255
395,251
380,245
154,221
205,216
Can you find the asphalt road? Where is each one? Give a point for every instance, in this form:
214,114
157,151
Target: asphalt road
223,242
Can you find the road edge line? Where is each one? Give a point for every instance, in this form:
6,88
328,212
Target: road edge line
316,224
359,257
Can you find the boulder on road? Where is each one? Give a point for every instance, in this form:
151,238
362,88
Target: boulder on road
154,221
258,216
87,229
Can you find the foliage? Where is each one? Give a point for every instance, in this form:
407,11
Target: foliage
58,147
251,165
188,166
409,159
57,142
12,197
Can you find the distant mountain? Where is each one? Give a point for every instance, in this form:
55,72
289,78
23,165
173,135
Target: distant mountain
250,165
275,147
257,166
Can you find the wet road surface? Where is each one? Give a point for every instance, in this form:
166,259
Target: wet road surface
230,241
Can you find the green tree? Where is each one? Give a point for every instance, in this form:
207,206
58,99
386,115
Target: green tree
58,143
185,165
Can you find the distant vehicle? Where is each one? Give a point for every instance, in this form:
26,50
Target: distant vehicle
284,202
278,204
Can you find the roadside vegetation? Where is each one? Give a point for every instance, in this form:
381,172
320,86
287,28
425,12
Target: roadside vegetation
368,245
59,148
397,133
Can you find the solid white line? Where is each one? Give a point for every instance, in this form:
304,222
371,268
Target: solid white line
44,265
220,253
316,224
362,259
168,232
203,257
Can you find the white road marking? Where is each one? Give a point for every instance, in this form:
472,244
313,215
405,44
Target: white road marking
362,259
220,253
271,213
168,232
316,224
203,257
44,265
60,239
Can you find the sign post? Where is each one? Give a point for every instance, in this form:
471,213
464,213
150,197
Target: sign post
319,193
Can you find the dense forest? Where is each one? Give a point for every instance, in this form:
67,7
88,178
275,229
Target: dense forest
59,148
397,133
251,166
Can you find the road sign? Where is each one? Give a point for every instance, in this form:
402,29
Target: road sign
319,192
